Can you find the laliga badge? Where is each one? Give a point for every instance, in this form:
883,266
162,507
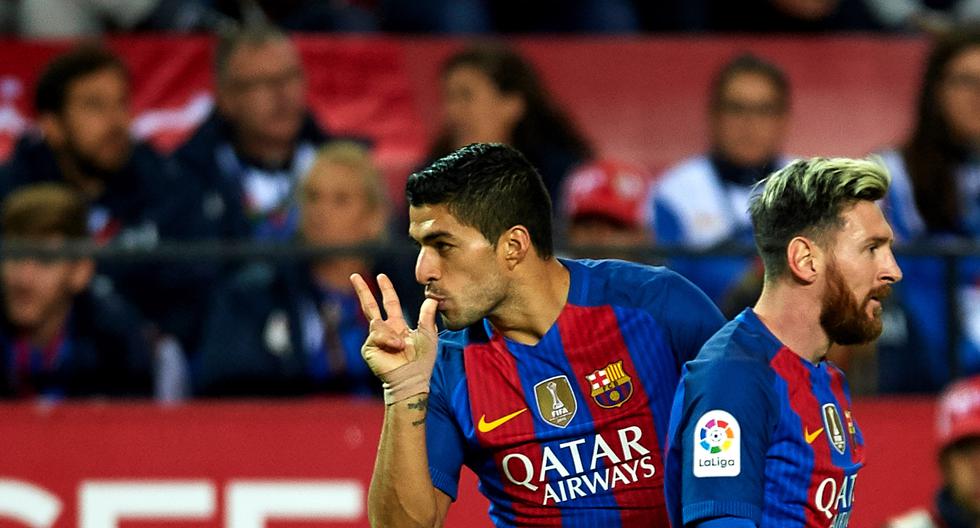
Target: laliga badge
717,445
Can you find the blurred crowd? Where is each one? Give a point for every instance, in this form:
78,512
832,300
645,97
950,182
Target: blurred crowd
59,19
261,168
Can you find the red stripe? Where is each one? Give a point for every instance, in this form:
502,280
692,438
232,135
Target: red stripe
790,367
495,391
592,340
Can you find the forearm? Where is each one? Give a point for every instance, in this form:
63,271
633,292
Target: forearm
401,493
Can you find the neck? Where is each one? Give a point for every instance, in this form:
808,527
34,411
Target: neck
534,301
43,334
267,151
792,314
334,273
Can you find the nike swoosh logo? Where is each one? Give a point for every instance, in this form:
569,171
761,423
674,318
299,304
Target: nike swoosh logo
485,427
810,437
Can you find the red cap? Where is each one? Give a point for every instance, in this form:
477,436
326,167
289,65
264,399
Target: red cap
608,188
958,416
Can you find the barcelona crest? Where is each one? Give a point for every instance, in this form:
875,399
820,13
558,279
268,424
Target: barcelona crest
611,386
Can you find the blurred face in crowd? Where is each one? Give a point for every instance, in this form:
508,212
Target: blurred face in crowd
37,290
959,96
749,123
263,91
961,472
93,126
859,276
476,111
337,206
459,267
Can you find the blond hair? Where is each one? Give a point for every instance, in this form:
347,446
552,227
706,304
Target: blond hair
356,157
807,198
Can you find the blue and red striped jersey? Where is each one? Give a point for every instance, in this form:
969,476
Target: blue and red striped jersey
760,433
569,432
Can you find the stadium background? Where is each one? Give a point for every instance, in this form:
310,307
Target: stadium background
640,98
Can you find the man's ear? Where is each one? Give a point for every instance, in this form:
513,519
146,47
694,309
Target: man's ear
513,107
514,245
52,129
804,259
81,275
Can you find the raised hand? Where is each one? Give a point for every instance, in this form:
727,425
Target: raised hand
402,357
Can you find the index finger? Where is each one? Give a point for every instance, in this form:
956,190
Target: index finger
368,303
389,298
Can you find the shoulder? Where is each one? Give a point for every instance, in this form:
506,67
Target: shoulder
106,319
732,353
199,147
675,182
449,370
612,281
254,286
31,161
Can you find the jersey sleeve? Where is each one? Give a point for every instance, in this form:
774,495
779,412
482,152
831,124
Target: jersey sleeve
443,438
691,318
724,414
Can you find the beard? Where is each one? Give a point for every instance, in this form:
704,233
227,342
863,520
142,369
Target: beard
92,167
845,320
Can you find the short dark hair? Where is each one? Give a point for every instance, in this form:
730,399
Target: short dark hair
52,87
747,63
491,187
44,210
806,198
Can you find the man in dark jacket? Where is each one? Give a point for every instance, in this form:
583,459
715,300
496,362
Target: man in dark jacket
250,152
297,328
58,336
136,198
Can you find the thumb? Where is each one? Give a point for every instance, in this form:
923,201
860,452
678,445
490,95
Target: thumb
427,316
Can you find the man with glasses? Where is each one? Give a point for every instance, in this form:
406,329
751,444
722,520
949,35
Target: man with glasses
703,201
259,139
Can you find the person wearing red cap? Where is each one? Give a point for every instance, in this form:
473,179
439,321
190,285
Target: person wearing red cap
604,206
957,503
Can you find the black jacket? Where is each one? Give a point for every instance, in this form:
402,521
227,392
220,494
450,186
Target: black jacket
149,201
107,353
222,193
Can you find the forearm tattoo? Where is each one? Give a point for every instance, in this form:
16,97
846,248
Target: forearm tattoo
421,405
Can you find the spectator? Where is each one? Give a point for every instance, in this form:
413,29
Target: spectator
295,329
493,95
509,16
703,201
250,152
604,206
790,16
301,15
58,336
935,195
58,19
957,502
921,15
136,198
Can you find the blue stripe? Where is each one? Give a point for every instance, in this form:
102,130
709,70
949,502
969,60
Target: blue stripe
674,456
654,362
537,363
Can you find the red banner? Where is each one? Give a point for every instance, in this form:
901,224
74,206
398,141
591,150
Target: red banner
309,463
